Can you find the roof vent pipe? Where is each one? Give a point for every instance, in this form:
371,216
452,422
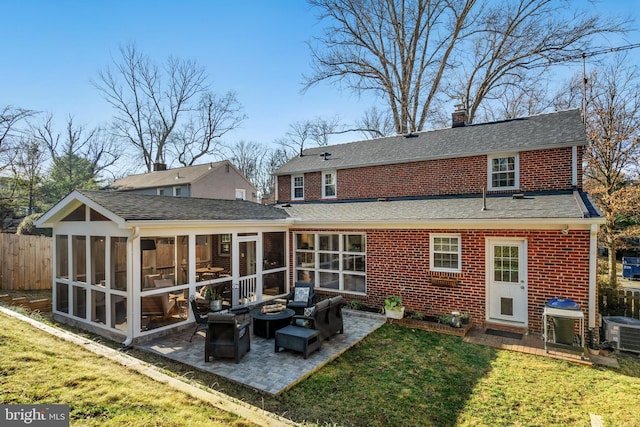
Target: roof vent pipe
484,199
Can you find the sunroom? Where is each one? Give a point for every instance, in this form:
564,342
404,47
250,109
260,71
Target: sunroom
125,265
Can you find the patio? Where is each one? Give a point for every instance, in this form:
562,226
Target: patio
262,368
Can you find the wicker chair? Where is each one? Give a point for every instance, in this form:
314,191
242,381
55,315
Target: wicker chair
226,338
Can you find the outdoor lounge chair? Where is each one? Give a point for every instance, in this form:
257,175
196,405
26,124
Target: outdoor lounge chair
201,321
226,338
301,297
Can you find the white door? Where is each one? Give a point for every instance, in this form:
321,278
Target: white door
507,280
248,288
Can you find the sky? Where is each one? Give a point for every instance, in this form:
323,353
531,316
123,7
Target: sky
53,49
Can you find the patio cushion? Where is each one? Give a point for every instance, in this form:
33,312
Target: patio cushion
301,295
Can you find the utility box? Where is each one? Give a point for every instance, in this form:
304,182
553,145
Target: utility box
631,268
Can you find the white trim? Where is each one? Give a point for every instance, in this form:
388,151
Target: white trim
432,236
334,175
593,268
524,265
516,171
293,187
241,191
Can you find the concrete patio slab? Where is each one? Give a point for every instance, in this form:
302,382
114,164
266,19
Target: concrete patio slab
262,368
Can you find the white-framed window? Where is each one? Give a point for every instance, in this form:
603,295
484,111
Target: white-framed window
161,192
297,187
445,252
329,188
241,194
503,172
177,191
335,261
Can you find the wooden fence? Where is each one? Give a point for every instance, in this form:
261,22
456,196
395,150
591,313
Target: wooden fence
25,262
620,303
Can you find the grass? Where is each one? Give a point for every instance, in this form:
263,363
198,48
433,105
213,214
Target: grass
396,376
38,368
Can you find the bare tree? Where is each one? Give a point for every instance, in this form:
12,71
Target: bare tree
10,118
405,50
257,162
149,101
375,123
613,130
214,117
28,172
314,131
95,145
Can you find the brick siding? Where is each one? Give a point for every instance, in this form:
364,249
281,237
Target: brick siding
398,263
540,170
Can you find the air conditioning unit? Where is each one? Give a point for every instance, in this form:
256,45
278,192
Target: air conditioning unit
622,332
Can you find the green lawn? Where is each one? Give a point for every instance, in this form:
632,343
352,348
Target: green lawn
37,368
395,377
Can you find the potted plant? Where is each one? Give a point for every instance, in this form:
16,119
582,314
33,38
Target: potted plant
393,308
215,299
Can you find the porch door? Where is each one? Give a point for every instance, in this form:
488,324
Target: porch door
507,281
247,286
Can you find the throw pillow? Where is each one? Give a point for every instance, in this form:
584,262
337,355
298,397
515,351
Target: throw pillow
308,311
301,295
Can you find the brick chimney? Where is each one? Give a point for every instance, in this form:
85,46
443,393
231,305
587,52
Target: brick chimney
159,167
459,117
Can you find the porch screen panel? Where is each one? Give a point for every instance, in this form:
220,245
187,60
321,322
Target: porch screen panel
79,252
62,297
119,263
98,255
62,256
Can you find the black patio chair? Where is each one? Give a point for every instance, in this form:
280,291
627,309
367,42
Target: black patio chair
301,297
201,321
226,337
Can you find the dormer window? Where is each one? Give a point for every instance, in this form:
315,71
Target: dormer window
503,172
297,187
329,185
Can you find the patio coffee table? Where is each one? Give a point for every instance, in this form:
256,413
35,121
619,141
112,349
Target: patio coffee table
266,324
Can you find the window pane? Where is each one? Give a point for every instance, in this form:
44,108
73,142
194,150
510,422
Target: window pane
305,259
273,250
62,256
273,283
119,263
98,260
329,242
354,283
62,297
354,262
79,250
329,280
354,243
305,276
79,302
119,310
329,261
99,308
305,241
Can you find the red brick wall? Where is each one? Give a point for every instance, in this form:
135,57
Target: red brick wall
540,170
398,263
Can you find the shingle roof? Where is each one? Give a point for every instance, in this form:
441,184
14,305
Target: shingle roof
499,207
141,207
186,175
559,129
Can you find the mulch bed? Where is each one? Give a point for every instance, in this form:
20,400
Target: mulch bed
430,326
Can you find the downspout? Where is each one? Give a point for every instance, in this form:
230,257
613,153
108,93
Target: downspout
134,235
593,265
574,166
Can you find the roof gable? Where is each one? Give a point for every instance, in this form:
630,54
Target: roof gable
544,131
165,178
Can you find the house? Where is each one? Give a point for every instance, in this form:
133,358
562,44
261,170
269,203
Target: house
218,180
489,219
